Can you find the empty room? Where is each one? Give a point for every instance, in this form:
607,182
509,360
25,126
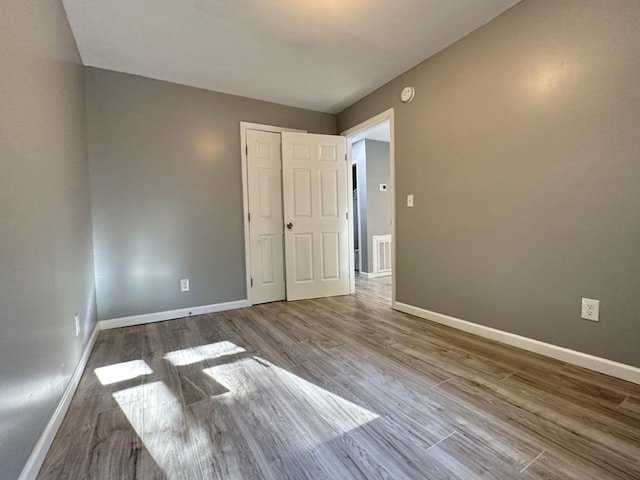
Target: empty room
329,239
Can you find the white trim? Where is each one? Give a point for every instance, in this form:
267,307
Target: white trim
585,360
34,463
359,198
387,115
350,216
375,275
244,126
170,315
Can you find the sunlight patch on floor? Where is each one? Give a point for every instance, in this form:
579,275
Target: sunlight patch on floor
160,421
189,356
254,382
262,399
120,372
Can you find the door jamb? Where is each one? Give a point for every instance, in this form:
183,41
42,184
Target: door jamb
359,229
244,126
387,115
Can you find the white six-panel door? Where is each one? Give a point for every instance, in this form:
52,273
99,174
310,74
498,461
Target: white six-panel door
314,175
264,171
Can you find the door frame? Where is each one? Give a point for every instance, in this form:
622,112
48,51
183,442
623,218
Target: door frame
387,115
359,229
244,126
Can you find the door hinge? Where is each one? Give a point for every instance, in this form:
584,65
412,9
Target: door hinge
345,157
246,150
252,282
249,216
347,215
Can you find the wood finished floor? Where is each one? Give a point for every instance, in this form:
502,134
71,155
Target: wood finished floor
374,289
337,388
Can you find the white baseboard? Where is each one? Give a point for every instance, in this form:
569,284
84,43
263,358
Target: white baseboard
33,465
375,275
170,315
598,364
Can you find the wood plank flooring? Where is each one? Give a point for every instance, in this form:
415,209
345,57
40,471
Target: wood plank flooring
374,289
337,388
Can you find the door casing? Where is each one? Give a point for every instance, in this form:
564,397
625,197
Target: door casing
387,115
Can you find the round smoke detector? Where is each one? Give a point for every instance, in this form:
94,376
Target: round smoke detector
407,94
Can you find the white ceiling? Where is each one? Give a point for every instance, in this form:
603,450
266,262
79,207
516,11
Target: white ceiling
318,54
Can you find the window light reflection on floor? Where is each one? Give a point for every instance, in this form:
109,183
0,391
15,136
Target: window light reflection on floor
189,356
160,421
325,414
258,391
120,372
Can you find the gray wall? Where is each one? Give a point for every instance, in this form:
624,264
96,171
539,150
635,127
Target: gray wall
359,158
374,208
166,190
46,266
522,150
378,203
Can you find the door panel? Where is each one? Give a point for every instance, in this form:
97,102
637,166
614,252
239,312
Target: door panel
266,256
266,180
302,192
314,173
329,194
303,257
330,256
264,169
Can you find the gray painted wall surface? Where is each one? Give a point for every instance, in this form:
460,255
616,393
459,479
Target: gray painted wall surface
166,190
358,156
46,266
378,203
521,148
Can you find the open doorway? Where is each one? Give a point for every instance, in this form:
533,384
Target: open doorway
371,150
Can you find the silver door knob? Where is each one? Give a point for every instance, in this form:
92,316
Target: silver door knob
289,225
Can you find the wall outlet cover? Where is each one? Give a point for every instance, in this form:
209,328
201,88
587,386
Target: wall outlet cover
591,309
184,285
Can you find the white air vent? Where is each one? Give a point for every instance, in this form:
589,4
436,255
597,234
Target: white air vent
381,253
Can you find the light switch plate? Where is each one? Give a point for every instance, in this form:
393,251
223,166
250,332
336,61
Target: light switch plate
591,309
409,200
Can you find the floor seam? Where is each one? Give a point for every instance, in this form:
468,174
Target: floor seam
440,383
622,402
531,462
440,441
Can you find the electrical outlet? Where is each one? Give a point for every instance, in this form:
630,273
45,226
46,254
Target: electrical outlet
77,320
184,285
591,309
